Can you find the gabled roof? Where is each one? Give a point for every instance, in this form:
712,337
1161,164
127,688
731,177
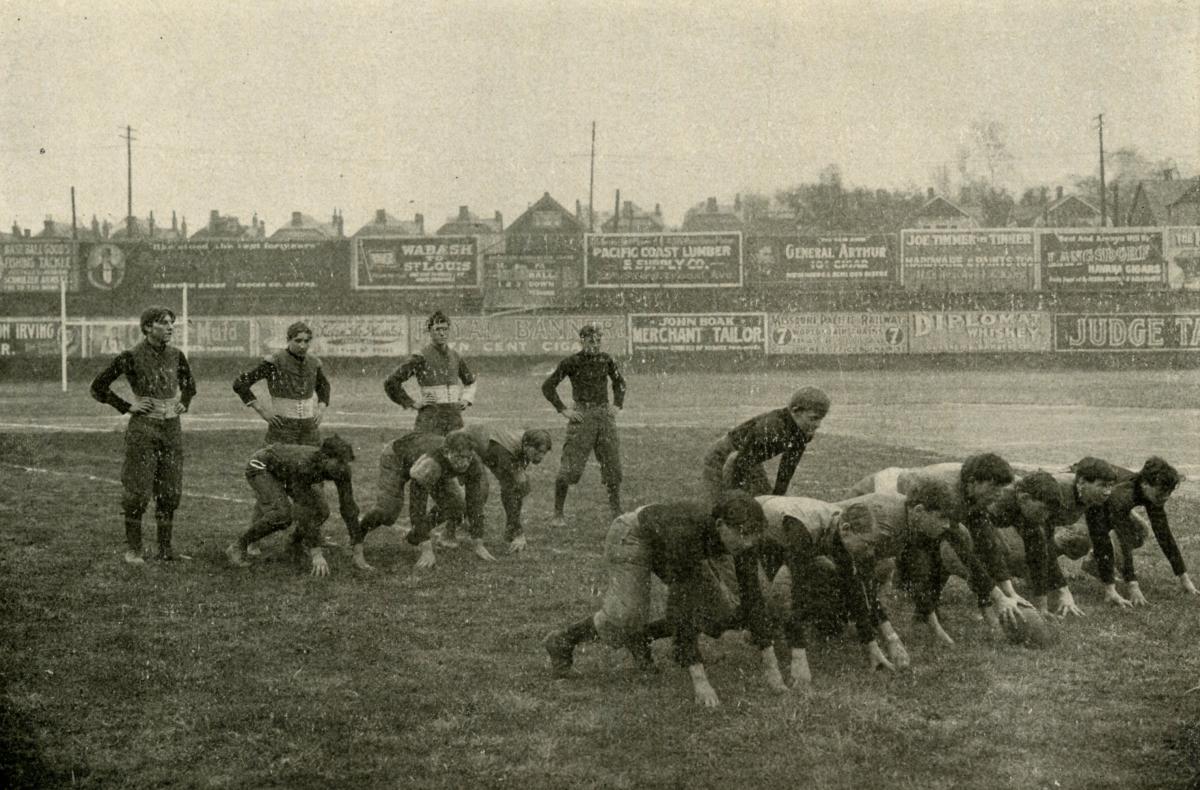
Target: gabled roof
938,206
1066,202
633,213
53,229
141,229
384,224
1161,195
525,223
468,223
303,227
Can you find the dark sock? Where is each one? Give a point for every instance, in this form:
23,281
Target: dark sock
582,631
614,499
560,495
659,629
133,533
164,535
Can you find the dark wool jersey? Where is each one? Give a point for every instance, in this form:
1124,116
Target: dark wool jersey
1124,498
299,465
764,437
680,537
430,468
288,376
152,372
438,372
589,375
501,452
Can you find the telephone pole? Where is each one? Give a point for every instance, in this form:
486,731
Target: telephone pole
129,138
1103,188
592,183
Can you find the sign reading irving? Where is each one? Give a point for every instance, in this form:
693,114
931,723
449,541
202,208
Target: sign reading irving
662,260
824,261
1099,258
698,332
416,262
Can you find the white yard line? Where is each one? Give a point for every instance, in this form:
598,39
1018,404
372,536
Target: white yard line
97,479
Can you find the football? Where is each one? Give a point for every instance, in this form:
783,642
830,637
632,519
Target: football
1030,630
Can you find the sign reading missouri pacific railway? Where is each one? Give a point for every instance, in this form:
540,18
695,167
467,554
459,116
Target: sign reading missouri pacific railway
417,262
1102,258
662,260
698,332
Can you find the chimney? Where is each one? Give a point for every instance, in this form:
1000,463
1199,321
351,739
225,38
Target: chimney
617,211
628,208
1167,174
341,224
48,227
658,209
499,220
737,202
578,210
1045,195
1058,193
105,229
213,219
380,217
150,225
295,219
183,228
16,229
174,221
930,194
419,221
463,214
711,205
27,233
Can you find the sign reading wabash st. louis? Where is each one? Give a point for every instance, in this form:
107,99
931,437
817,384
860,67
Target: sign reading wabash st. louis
662,260
417,262
698,332
1127,332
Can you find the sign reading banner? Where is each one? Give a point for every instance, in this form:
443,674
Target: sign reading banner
531,281
416,262
233,265
1127,332
36,265
825,261
968,260
340,335
979,331
698,332
524,335
1103,258
662,260
36,337
838,333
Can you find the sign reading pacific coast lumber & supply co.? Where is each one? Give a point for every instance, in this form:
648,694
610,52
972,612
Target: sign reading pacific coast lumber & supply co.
662,260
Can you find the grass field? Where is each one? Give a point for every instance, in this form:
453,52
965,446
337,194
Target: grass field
198,675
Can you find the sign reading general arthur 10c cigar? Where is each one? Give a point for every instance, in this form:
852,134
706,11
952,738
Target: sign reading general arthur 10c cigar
1103,258
823,261
416,262
662,260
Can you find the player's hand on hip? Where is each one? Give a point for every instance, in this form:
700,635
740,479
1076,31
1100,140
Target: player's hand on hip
141,406
572,415
613,411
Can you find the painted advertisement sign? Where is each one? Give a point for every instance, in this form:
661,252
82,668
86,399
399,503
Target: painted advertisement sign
35,265
688,332
968,260
339,335
983,331
1182,251
1103,258
662,260
824,261
524,335
37,337
531,281
1127,332
416,262
838,333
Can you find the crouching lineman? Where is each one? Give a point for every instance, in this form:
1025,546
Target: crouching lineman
1149,488
801,534
507,454
736,460
680,543
429,464
286,479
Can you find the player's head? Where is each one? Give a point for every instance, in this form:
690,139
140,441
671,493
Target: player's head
535,444
982,476
856,528
158,323
458,450
1037,497
590,336
299,335
438,326
929,506
336,450
1094,479
739,520
807,407
1158,480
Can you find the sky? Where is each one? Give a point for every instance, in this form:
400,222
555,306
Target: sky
274,107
